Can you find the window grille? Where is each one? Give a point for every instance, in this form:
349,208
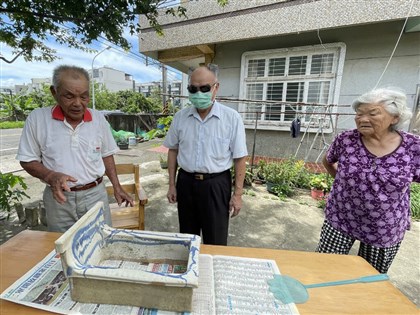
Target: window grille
310,74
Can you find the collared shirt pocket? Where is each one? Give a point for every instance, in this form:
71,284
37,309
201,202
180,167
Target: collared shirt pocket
220,148
94,151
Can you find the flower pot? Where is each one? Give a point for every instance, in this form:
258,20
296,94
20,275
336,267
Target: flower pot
317,194
123,146
270,187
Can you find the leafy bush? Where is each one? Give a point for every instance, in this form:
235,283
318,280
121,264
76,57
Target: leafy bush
260,169
322,181
162,131
248,175
286,175
288,170
415,201
133,102
11,124
283,190
165,122
10,196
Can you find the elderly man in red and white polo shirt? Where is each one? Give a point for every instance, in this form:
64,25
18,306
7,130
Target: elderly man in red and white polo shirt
70,147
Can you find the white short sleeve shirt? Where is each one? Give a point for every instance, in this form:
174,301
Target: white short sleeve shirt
209,145
48,138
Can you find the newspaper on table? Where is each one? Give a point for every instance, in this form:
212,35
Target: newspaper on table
227,285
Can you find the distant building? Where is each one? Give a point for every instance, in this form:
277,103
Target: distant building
113,80
173,88
7,90
37,83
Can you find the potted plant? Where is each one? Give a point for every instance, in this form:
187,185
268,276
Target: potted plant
278,179
11,195
122,143
320,185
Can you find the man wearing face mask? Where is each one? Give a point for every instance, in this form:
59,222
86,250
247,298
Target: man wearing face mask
204,140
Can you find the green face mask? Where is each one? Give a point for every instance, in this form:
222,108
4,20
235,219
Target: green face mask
201,100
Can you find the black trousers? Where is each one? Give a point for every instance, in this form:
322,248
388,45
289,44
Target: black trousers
203,206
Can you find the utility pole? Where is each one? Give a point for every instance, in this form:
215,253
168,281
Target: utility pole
93,80
164,84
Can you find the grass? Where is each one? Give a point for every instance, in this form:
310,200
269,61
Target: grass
415,201
11,124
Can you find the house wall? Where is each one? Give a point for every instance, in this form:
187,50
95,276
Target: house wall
368,49
207,22
114,80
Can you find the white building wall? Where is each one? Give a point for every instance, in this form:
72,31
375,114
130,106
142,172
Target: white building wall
368,49
114,80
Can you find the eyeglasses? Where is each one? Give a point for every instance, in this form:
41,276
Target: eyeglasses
203,88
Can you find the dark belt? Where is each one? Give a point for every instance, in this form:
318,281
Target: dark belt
88,186
201,176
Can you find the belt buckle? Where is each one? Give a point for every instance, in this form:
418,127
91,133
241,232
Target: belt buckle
199,176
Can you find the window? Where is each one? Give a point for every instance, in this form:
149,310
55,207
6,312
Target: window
282,83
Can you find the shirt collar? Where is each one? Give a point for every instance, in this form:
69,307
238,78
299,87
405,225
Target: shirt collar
57,113
215,111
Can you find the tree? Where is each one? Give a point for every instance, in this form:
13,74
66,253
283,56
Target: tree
104,99
42,97
26,24
133,102
16,107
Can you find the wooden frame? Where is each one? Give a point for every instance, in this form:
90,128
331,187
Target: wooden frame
129,217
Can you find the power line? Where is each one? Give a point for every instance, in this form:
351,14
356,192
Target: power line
396,45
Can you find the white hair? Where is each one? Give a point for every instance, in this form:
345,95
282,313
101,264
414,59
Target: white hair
393,100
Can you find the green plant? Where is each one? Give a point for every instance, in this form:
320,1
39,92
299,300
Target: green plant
288,170
159,132
275,173
415,200
11,124
166,122
283,190
322,181
282,176
260,169
321,203
248,175
154,133
10,194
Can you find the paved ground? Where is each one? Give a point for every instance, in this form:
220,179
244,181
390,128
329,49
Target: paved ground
265,221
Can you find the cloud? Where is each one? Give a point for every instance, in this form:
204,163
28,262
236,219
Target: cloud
21,72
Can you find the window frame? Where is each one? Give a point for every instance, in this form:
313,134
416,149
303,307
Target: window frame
334,79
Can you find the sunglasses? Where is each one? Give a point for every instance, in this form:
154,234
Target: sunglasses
203,88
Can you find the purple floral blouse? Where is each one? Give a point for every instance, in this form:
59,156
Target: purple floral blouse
370,198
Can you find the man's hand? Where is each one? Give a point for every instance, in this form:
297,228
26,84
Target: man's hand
121,196
171,195
58,183
235,205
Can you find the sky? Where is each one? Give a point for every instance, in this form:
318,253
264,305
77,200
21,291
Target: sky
21,72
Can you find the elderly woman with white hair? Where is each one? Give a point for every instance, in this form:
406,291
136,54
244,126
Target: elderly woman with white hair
373,167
